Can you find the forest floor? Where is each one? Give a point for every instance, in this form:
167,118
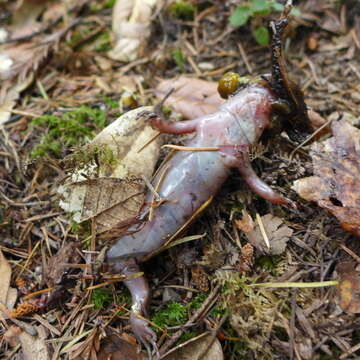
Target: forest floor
60,88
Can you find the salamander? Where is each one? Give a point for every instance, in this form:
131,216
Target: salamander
222,141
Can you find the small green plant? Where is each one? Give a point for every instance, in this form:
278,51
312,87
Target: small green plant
255,9
69,129
111,103
108,4
197,301
173,314
101,298
268,263
103,42
83,229
98,6
179,59
102,155
182,10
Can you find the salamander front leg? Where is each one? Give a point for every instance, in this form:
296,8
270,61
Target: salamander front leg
140,294
177,127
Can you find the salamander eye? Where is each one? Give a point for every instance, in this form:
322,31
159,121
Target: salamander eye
230,83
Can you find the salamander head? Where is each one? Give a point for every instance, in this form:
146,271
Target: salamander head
231,83
288,106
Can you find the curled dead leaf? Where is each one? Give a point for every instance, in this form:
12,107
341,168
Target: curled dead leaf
349,287
35,347
335,185
20,61
60,262
192,97
276,232
8,295
107,183
131,27
203,347
116,348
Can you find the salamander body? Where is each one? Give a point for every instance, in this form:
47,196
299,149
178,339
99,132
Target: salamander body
192,177
189,179
221,141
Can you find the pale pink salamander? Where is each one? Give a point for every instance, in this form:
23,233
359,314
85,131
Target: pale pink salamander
192,177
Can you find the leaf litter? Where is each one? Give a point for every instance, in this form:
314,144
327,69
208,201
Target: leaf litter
274,323
335,186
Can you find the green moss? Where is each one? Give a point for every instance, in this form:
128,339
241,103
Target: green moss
101,155
166,110
103,42
234,349
182,10
111,103
187,335
218,312
83,229
72,128
268,263
78,36
101,298
107,4
197,302
172,315
179,59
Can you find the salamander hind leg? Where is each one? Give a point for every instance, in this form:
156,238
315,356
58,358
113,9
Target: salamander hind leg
140,295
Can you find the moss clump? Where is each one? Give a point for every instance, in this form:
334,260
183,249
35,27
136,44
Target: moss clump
182,10
69,129
101,298
179,59
83,229
111,103
172,315
92,154
103,42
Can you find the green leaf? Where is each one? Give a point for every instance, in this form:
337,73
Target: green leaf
261,35
260,7
240,16
295,11
280,7
277,6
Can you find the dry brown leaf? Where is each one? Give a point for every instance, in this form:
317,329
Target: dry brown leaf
8,295
192,97
276,231
87,349
8,98
25,19
59,263
21,62
203,348
5,271
35,347
349,287
131,27
11,335
335,185
113,193
115,348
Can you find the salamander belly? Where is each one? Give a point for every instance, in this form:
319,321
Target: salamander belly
190,179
